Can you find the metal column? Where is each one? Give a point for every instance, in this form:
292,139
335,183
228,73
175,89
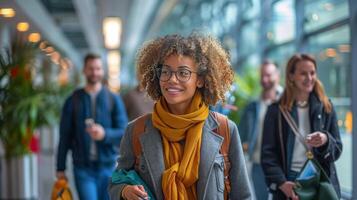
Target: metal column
353,26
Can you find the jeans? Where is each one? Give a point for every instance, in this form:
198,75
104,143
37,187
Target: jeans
92,182
260,187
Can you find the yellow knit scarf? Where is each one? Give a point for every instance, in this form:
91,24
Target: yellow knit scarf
181,161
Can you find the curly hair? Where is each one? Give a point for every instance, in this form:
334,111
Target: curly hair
212,61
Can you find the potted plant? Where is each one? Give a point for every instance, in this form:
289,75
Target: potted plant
24,106
247,88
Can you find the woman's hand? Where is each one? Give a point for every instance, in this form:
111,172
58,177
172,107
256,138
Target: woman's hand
134,192
316,139
288,189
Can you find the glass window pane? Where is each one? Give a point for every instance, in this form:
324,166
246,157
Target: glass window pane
319,13
250,38
332,52
280,56
282,24
250,8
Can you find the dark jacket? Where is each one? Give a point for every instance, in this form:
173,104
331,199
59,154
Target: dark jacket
248,127
137,103
273,157
110,113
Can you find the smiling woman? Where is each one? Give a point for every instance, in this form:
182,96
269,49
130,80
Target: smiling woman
317,136
181,154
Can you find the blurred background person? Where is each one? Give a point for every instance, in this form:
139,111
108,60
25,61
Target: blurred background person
283,155
137,102
92,123
251,125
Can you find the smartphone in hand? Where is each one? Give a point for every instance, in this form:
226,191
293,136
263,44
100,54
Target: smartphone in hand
89,122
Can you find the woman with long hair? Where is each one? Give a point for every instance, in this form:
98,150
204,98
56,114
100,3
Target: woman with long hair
181,157
283,154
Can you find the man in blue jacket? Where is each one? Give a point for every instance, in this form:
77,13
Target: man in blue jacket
251,125
92,123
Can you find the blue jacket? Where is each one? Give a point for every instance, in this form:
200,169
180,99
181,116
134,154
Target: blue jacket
277,150
248,126
110,113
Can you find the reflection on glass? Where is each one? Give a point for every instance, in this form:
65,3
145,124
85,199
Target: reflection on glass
282,26
252,61
250,8
281,56
211,17
250,38
319,13
332,51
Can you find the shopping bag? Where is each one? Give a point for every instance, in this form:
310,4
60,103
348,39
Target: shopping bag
61,190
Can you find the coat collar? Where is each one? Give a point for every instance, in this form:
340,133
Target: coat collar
153,150
211,144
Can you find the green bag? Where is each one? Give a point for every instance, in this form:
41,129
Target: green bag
131,178
313,183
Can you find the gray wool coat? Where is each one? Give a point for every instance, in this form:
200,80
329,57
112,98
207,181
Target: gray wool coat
210,185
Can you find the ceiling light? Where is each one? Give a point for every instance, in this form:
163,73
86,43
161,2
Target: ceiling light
344,48
112,28
55,56
331,52
34,37
23,26
49,50
114,84
7,12
315,17
113,60
328,6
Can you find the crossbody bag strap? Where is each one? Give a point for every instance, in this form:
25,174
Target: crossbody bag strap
295,130
282,145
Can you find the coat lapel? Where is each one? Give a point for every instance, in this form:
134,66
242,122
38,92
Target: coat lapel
211,143
152,149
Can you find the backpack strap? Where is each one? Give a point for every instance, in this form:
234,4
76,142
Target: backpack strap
138,130
223,130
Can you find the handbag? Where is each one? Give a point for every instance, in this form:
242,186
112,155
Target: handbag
312,182
61,190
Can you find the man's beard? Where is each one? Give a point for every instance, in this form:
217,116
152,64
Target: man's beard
268,86
93,81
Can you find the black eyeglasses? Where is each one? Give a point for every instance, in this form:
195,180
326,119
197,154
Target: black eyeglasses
164,73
